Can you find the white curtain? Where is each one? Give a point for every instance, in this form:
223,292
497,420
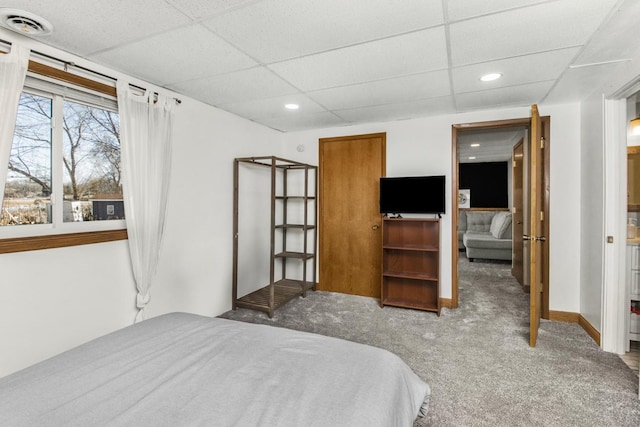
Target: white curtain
145,137
13,70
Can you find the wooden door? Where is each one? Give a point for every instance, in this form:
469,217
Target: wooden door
517,267
350,221
536,237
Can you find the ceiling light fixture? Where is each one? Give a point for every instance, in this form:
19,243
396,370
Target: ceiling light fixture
475,144
635,126
291,106
472,158
491,77
25,23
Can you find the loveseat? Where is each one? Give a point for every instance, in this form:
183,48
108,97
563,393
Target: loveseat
485,234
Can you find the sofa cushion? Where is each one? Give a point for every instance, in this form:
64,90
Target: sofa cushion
484,240
462,220
500,225
479,220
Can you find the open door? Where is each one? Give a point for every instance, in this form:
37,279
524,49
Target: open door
536,238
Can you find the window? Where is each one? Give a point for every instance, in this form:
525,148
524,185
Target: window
64,171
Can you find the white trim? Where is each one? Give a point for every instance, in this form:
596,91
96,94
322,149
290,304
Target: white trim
615,299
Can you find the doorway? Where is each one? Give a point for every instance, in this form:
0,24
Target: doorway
458,132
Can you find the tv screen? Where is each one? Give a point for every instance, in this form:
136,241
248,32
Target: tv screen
412,194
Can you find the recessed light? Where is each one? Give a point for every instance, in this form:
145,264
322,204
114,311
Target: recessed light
475,144
291,106
491,77
472,158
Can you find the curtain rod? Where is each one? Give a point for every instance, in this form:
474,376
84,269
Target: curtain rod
66,64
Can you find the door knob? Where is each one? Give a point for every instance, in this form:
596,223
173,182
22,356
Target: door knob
375,227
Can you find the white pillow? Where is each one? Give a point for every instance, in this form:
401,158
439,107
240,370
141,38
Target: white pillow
500,224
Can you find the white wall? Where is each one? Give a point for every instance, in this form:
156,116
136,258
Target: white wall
52,300
195,271
423,146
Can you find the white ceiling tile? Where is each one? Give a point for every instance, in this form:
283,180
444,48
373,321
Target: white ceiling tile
578,82
273,107
254,83
614,42
407,110
512,96
390,91
275,30
523,69
462,9
548,26
166,58
89,26
291,123
199,9
495,144
412,53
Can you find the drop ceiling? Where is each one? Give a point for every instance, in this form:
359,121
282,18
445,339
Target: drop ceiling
489,145
356,61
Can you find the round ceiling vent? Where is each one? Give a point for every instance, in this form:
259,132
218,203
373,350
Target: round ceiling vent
25,23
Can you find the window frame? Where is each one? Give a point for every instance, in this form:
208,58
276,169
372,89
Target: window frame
47,236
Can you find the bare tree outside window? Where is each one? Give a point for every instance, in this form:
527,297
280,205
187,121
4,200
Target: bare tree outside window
28,186
91,157
90,164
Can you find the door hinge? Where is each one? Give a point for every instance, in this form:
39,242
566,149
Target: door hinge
541,215
542,142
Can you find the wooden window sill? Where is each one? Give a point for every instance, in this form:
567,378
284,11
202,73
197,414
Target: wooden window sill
52,241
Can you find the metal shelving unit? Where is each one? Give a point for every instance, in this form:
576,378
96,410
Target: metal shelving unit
281,288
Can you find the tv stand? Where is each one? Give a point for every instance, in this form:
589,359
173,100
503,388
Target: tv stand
411,263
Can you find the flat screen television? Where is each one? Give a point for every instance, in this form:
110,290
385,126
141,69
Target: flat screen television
412,194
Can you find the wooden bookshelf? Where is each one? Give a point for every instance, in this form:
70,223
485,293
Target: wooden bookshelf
411,263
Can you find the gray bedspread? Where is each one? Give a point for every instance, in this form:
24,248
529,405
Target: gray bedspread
187,370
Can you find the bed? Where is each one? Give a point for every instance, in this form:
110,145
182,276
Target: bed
187,370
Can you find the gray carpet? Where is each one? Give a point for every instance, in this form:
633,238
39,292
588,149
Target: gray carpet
476,358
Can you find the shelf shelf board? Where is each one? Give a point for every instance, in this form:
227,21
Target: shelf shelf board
295,197
283,291
298,255
410,275
296,226
418,248
407,303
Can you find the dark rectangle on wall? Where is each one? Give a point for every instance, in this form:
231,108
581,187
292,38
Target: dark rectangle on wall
488,183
